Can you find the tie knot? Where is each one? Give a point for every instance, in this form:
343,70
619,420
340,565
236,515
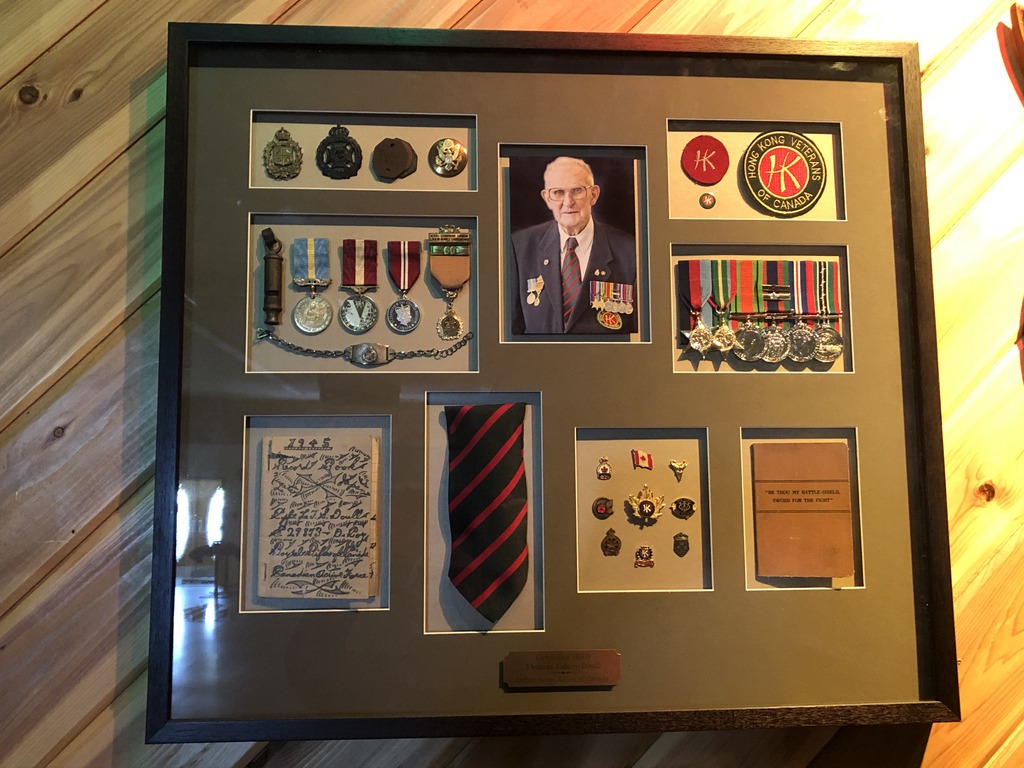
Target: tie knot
570,244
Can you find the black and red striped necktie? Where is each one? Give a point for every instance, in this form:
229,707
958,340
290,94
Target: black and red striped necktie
572,280
487,504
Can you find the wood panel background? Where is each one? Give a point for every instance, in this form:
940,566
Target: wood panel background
81,119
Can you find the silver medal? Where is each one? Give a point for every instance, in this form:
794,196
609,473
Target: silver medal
776,345
403,316
830,345
312,314
749,342
802,342
358,313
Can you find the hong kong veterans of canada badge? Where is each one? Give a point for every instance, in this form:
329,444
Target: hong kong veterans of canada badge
784,173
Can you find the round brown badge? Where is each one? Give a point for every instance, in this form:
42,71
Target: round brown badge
393,159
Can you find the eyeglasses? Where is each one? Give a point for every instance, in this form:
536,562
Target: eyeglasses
576,193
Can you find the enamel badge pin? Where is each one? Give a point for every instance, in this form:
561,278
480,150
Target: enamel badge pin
644,557
645,508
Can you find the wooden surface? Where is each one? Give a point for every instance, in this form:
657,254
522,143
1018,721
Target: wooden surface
81,115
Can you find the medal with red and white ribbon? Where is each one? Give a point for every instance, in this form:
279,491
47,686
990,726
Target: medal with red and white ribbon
359,273
404,268
803,338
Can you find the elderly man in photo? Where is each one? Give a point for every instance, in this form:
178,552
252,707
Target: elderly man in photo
573,274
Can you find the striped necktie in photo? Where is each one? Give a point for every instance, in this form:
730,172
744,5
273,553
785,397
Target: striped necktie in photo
572,280
487,504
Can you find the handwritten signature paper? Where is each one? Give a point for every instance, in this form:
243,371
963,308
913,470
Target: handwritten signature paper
319,517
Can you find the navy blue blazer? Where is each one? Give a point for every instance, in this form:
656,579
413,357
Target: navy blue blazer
536,253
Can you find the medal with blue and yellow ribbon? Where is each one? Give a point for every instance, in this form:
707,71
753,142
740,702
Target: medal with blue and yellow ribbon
311,269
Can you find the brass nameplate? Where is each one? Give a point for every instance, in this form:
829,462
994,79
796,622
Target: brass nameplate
594,668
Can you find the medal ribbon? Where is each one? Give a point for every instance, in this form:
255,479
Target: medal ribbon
620,292
626,292
723,284
310,261
806,303
359,263
749,296
451,272
404,263
827,289
779,275
787,271
682,303
449,263
699,291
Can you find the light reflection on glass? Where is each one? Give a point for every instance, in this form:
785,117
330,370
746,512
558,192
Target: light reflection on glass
215,517
178,628
184,515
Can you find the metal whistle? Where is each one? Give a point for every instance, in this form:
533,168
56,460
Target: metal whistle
272,270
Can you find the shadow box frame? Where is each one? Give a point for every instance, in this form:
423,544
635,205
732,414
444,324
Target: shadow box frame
217,672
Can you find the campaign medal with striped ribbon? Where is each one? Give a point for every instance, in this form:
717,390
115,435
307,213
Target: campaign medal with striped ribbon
611,300
359,273
311,269
487,505
830,341
803,338
777,292
749,302
723,281
698,291
404,268
450,251
534,285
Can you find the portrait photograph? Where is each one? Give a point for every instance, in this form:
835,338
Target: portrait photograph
574,248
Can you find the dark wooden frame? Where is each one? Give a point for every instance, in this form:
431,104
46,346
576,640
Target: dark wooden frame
895,63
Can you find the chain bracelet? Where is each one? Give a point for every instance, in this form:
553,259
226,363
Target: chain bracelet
435,354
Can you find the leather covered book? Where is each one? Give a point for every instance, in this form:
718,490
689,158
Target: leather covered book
803,516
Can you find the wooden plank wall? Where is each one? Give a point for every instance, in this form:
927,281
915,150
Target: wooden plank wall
81,118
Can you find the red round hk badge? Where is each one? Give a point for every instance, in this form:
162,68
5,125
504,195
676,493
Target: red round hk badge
705,160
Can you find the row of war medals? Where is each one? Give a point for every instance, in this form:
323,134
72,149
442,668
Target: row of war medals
772,344
449,263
